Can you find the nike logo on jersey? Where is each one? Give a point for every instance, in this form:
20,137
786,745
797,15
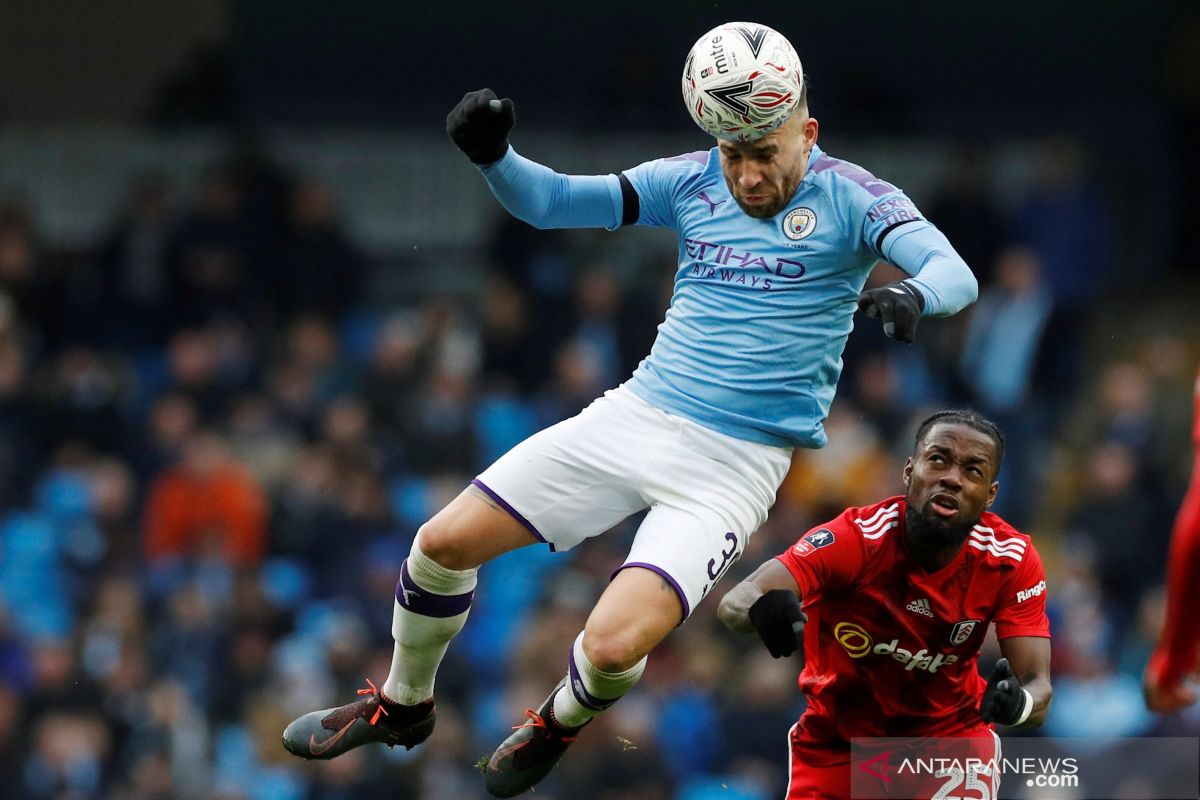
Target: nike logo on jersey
712,206
921,607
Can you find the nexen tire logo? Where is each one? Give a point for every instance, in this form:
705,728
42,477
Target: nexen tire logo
857,643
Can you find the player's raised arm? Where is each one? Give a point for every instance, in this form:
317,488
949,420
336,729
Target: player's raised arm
531,192
767,601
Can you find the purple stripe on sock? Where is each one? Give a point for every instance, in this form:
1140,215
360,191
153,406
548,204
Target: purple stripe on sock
515,514
426,603
585,698
683,601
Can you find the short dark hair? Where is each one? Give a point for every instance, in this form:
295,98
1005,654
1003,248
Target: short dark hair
972,419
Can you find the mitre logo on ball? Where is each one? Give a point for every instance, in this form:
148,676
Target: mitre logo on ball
741,81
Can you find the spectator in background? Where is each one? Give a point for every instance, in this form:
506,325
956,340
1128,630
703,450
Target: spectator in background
81,401
852,466
1122,519
132,268
23,275
1003,341
193,370
206,505
171,421
1065,223
577,380
19,447
598,327
964,210
508,336
308,374
393,373
535,261
877,395
210,260
318,271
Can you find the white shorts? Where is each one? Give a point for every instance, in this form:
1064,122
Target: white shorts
707,492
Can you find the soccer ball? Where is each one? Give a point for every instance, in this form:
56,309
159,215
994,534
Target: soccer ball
741,81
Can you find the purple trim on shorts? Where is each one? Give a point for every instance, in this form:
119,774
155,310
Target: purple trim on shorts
420,601
683,601
515,514
585,698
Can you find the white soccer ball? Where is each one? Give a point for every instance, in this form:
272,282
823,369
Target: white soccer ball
741,81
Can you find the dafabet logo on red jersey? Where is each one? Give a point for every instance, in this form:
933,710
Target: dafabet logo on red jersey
858,643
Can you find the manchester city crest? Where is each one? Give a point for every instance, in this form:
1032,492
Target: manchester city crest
799,223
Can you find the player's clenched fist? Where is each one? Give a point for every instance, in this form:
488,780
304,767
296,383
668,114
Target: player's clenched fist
898,306
480,124
1004,700
780,622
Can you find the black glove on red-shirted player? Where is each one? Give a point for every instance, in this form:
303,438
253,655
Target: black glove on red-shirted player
780,622
1004,700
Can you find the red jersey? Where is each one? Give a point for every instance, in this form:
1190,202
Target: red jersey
891,649
1178,649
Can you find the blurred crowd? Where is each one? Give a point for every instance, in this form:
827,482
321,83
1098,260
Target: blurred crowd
216,446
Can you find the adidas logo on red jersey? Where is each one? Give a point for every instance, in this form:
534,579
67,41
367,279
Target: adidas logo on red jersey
921,607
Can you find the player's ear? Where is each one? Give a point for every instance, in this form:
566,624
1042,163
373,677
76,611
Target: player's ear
908,468
992,490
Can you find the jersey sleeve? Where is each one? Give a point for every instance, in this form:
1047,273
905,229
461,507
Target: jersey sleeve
536,194
826,558
886,224
658,185
1022,609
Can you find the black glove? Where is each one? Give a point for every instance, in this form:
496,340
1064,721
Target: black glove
479,125
1003,700
780,622
899,305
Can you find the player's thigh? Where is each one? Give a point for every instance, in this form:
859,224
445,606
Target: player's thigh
711,493
636,611
704,469
471,530
810,781
688,548
578,478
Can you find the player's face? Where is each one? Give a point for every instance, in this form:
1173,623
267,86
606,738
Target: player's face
951,480
762,175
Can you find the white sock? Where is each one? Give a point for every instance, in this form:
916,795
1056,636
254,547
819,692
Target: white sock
590,691
431,607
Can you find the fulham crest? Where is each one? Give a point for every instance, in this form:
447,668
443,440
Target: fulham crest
962,631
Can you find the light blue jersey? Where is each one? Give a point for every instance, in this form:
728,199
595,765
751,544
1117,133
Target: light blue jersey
752,343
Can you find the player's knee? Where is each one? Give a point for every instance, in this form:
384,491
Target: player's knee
439,541
612,651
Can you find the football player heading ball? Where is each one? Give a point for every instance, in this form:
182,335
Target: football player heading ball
743,370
